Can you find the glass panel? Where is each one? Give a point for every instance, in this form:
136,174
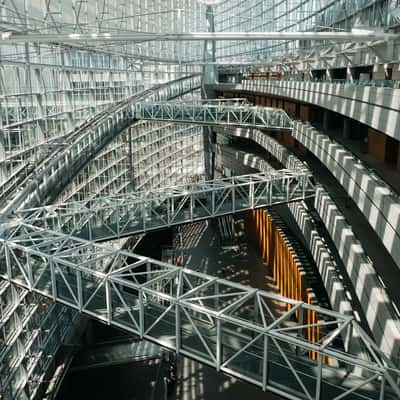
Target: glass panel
159,319
198,334
348,376
286,369
242,351
66,283
125,306
94,295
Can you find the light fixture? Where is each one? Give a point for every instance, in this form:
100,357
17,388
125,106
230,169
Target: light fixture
6,35
210,2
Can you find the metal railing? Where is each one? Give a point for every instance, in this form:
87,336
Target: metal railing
88,139
215,113
386,83
232,327
113,216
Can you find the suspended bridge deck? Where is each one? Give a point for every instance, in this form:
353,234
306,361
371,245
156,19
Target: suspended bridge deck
114,216
214,321
223,113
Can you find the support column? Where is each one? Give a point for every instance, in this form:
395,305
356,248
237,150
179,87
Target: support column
376,144
325,120
208,92
328,74
398,160
349,74
346,128
305,112
3,168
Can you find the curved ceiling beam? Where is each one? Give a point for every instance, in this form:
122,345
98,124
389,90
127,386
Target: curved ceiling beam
355,36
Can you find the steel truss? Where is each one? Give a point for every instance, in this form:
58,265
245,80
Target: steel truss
113,216
89,138
229,326
25,360
289,17
142,157
55,17
216,113
11,38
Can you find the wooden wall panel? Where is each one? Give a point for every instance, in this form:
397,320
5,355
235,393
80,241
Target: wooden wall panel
286,269
376,144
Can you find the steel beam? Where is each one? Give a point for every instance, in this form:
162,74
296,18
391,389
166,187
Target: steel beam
7,38
219,322
53,174
215,113
113,216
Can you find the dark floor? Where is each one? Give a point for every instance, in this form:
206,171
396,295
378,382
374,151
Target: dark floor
137,381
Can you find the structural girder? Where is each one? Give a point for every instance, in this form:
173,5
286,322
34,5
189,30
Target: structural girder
15,37
112,216
216,113
231,327
88,139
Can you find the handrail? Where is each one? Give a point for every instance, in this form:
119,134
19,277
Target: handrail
382,83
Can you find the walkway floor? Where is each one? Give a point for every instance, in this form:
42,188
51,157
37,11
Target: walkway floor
239,261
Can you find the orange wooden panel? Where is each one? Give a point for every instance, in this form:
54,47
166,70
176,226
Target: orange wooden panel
376,144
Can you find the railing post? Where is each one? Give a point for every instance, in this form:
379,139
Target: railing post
143,214
265,364
8,262
251,195
177,327
90,228
382,389
53,280
191,206
287,181
108,300
300,320
80,289
141,314
218,353
118,218
30,275
349,334
270,190
233,199
213,203
319,378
